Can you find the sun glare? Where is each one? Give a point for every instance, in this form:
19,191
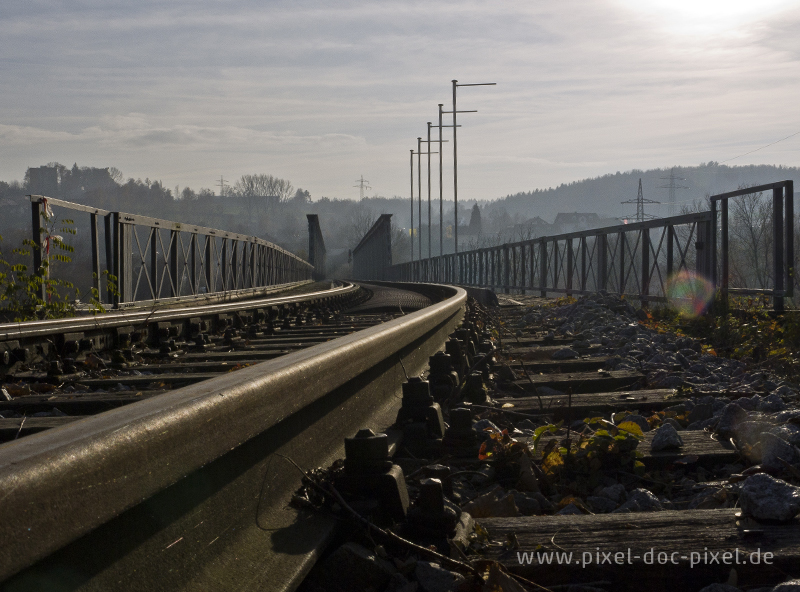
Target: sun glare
708,16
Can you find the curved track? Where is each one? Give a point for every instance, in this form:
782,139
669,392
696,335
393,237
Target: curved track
188,489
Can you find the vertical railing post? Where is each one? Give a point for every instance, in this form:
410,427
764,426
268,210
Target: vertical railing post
235,266
224,264
154,286
174,239
95,231
645,287
789,238
584,251
670,250
778,246
193,264
543,268
621,242
506,270
725,283
702,248
254,248
570,266
210,257
37,208
109,240
122,260
712,239
522,268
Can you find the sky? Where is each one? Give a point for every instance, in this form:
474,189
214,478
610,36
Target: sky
321,93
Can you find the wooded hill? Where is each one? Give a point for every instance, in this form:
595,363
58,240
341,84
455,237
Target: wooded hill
604,194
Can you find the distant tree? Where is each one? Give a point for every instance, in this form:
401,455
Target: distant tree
301,197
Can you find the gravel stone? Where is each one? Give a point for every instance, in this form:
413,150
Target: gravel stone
616,493
749,432
701,412
773,449
672,381
566,353
771,404
432,577
732,415
666,438
640,500
766,498
528,506
601,505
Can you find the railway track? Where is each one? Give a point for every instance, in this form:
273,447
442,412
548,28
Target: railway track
197,487
185,488
559,461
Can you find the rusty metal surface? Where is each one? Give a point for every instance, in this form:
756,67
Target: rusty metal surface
188,490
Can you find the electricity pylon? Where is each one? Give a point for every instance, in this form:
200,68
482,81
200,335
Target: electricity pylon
640,201
362,185
672,187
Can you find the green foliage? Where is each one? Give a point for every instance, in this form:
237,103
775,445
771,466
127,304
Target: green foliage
30,295
577,465
744,330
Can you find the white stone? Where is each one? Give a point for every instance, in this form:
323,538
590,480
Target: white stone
766,498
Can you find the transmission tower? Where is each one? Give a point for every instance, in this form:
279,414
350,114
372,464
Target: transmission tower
640,201
362,185
221,184
672,187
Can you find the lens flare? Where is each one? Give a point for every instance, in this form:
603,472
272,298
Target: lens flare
690,293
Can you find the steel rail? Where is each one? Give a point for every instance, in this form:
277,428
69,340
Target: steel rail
188,490
122,318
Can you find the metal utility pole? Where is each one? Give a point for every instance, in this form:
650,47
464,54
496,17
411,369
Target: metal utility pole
419,192
455,154
419,154
672,187
429,142
362,184
411,228
441,205
640,201
441,179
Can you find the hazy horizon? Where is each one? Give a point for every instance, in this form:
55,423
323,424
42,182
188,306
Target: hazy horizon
321,95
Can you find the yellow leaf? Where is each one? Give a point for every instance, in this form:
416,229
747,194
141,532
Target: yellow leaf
631,428
552,462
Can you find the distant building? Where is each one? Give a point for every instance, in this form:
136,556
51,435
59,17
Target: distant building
575,221
531,228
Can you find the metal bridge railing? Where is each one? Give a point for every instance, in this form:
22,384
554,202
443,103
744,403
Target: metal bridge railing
638,260
775,256
157,260
372,257
317,254
634,260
